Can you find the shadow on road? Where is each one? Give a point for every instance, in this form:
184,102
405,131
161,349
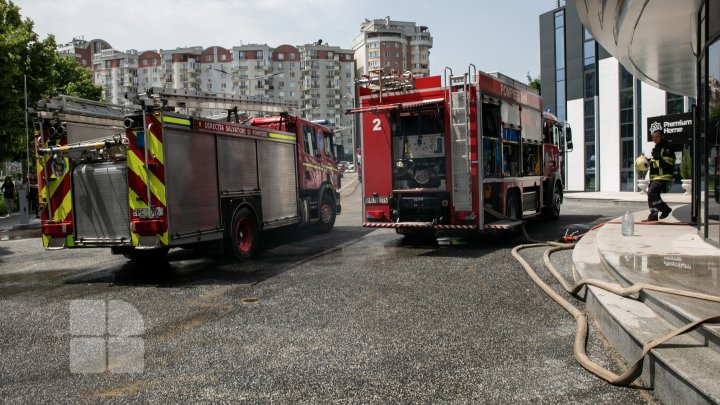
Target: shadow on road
280,251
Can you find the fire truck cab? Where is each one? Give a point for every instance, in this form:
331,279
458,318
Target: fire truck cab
475,154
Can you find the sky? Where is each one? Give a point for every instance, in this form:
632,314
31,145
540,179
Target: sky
493,35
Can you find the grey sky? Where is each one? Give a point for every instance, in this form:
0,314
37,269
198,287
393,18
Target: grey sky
493,35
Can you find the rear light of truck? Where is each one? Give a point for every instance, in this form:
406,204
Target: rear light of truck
465,215
57,229
148,226
375,215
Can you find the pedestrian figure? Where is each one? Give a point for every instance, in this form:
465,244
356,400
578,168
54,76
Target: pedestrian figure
662,163
33,195
8,190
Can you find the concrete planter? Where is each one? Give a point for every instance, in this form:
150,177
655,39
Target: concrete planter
687,186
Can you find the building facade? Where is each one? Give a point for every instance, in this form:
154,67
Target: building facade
606,106
319,77
397,45
83,50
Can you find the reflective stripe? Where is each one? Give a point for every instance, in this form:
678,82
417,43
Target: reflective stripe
174,120
156,186
156,148
134,201
64,209
278,136
332,168
46,240
312,166
135,238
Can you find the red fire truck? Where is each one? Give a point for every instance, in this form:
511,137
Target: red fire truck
158,177
476,154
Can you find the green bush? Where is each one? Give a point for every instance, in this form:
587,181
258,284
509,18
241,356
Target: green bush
686,164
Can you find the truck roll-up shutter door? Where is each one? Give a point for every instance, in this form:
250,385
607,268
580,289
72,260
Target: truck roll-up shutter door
100,194
237,159
191,182
278,180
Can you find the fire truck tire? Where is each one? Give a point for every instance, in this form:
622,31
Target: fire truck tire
552,211
326,213
512,206
245,234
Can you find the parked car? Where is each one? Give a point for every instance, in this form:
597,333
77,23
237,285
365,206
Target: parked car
342,168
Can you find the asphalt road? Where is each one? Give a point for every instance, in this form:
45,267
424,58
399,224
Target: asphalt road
354,315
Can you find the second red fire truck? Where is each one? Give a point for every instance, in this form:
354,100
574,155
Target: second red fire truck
477,153
158,177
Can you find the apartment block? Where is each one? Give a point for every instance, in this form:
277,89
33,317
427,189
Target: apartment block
319,77
83,50
388,44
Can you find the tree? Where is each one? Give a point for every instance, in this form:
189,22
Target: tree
48,74
534,82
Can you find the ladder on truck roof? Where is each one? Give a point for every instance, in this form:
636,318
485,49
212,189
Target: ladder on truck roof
75,109
181,98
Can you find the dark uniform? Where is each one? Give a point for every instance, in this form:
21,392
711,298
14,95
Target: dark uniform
662,164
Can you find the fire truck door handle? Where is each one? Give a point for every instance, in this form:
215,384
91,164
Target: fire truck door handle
308,175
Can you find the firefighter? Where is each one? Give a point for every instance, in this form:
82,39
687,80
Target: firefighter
662,163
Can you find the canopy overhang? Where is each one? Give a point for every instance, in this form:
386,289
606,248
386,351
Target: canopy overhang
655,40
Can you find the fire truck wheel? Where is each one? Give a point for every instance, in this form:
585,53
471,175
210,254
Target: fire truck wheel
512,207
552,212
245,234
326,213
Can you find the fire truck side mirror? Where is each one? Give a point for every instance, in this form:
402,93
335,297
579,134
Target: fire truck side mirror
568,138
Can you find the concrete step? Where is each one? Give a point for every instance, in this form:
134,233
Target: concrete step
680,371
673,270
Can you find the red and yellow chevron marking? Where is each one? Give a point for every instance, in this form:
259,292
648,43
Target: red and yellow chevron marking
56,191
139,180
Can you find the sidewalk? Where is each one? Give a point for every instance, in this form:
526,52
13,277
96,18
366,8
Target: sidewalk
13,222
671,254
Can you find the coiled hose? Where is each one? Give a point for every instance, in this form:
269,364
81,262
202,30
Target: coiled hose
581,324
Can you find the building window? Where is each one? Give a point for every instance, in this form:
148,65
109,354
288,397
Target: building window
560,65
627,131
674,103
589,93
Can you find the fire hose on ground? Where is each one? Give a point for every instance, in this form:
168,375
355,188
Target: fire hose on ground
581,324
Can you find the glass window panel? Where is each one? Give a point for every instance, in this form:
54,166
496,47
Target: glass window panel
589,49
626,99
626,79
713,139
589,107
626,116
590,135
560,48
590,84
560,19
560,100
586,34
560,75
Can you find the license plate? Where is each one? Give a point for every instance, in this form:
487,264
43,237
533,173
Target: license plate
377,200
148,212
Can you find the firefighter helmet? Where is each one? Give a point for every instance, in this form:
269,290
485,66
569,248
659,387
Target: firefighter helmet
642,164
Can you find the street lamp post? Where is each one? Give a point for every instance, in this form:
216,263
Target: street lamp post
354,130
